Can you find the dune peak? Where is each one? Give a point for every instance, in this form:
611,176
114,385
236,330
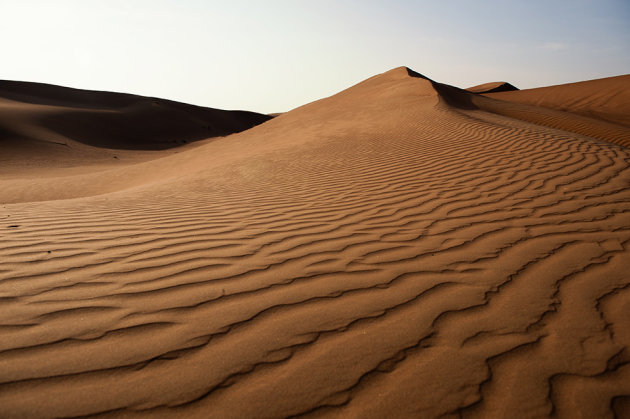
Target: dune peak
493,87
404,72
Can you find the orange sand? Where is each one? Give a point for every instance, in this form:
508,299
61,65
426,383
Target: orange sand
401,249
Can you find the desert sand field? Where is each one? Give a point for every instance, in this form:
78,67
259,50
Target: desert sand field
403,248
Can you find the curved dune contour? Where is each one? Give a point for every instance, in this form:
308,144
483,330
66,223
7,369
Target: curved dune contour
596,108
113,120
607,99
394,250
68,130
493,87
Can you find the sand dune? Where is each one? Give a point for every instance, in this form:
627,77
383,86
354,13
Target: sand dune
595,108
493,87
59,127
401,249
607,99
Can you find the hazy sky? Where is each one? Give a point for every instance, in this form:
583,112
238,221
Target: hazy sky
275,55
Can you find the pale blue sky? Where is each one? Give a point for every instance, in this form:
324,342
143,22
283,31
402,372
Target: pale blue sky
274,55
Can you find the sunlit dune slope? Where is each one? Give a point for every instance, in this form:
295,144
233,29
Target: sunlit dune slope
401,249
607,99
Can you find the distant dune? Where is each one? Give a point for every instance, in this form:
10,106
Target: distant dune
493,87
596,109
607,99
404,248
46,125
115,120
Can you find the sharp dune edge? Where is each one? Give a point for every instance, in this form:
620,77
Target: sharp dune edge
493,87
401,249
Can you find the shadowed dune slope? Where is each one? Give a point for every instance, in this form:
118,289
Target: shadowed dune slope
77,131
493,87
114,120
607,99
391,251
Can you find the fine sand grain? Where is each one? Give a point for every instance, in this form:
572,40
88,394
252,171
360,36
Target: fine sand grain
401,249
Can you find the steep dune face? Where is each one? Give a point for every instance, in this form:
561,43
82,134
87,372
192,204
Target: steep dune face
391,251
493,87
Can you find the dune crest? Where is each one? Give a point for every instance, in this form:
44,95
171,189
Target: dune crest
493,87
403,248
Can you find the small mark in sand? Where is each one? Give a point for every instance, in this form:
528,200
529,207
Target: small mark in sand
14,226
48,251
611,245
116,157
